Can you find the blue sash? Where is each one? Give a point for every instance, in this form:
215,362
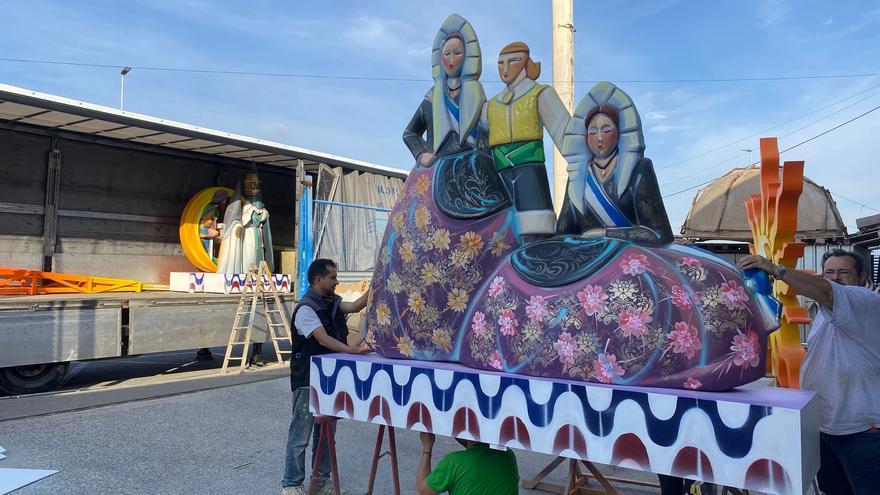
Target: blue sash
453,109
604,207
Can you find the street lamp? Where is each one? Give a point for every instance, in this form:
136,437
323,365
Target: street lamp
125,70
750,156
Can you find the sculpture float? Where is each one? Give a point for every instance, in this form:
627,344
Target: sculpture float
226,251
499,328
609,299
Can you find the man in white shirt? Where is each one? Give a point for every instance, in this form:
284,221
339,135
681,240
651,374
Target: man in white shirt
843,367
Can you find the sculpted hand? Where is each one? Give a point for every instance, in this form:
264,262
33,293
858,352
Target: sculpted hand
425,159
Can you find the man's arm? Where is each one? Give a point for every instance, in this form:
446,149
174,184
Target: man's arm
806,284
336,346
355,306
424,470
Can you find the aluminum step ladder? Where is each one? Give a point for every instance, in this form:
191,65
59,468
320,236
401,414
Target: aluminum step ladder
258,289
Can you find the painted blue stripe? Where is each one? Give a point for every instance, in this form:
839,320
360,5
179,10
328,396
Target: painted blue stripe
733,442
616,216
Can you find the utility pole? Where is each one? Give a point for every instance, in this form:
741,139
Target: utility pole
563,82
125,70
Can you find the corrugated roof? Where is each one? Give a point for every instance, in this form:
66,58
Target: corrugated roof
56,112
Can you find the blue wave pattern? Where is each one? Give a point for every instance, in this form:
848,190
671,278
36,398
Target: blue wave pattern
733,442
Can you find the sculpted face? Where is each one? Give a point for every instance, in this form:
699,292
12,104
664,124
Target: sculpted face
452,56
601,135
510,65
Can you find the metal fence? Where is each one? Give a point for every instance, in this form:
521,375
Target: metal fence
348,234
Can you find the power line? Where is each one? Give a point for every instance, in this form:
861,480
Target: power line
764,131
422,80
788,149
711,167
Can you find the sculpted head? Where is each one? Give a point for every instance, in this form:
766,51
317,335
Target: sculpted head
602,131
452,55
513,60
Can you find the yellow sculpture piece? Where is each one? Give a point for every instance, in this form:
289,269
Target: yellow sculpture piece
190,240
773,220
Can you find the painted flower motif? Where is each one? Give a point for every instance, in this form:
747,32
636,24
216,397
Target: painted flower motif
587,342
422,217
634,264
395,284
397,220
592,299
566,349
680,297
685,339
507,322
622,290
498,245
371,338
531,332
416,303
457,300
478,323
407,251
459,259
383,314
470,243
606,369
733,296
495,361
710,297
536,308
690,261
430,274
440,240
422,185
442,339
634,322
693,384
745,349
496,286
405,345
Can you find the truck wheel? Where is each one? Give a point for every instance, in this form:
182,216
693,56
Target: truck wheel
31,379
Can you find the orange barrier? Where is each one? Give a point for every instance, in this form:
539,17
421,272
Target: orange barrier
773,220
29,282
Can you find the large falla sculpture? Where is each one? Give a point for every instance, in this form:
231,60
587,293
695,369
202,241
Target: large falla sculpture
475,268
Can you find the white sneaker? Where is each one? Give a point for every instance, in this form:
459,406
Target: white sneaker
293,490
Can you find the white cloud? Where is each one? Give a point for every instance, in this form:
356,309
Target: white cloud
771,12
655,116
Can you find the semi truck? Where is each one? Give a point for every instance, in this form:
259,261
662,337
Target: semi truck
91,190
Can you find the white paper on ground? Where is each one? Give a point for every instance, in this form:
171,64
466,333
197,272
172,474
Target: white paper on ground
13,479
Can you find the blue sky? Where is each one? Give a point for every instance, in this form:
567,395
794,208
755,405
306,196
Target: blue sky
615,41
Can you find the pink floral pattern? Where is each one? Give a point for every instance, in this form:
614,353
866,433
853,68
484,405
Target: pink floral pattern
507,322
634,322
496,286
495,361
733,296
692,384
606,368
592,299
680,297
745,349
536,309
691,261
478,323
685,339
566,348
634,264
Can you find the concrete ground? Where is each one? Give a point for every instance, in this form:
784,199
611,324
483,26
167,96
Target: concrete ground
221,440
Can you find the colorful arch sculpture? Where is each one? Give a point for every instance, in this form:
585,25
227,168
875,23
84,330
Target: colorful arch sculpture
773,219
189,228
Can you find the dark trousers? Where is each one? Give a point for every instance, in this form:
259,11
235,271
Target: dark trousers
850,464
672,485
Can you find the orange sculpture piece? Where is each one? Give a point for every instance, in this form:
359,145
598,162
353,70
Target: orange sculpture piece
29,282
773,220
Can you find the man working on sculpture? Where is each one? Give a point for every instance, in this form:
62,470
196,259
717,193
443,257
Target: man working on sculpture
477,470
319,321
843,366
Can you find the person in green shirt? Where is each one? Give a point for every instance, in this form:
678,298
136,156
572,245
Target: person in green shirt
477,470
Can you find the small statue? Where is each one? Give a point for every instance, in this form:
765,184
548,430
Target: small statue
257,241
